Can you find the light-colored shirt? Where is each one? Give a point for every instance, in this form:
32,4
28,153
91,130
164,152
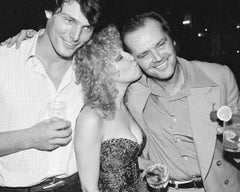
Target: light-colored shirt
25,91
170,133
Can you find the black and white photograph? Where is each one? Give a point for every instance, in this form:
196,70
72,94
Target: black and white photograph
119,96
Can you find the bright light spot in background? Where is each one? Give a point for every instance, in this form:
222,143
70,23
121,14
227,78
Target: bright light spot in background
200,34
186,22
205,29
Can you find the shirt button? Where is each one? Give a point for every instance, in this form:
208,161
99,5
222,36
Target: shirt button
219,163
226,182
185,158
177,139
175,119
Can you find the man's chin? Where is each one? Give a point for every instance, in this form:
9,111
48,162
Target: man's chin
67,56
162,77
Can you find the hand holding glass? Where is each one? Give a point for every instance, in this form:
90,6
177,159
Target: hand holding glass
157,176
231,133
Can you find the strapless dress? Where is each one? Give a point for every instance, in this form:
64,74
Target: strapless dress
119,171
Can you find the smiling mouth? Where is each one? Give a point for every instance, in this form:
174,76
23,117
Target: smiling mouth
162,65
70,45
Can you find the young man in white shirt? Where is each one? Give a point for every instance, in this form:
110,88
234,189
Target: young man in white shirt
36,152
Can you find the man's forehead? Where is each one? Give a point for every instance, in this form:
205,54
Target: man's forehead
140,42
144,37
73,9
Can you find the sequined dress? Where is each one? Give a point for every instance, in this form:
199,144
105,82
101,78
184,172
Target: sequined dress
119,171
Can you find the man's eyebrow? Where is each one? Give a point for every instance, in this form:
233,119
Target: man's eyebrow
141,54
66,14
163,39
75,20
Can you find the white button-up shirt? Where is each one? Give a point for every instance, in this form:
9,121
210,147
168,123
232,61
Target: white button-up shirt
25,90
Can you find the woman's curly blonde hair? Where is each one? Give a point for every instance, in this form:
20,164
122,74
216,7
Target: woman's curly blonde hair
94,70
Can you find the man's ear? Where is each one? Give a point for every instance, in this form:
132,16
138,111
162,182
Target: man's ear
174,43
48,14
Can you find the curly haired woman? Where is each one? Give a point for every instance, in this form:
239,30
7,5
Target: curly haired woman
108,140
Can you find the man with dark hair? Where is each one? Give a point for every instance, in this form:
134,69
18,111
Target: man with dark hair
36,150
172,102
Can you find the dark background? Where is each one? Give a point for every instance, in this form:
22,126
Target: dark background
213,34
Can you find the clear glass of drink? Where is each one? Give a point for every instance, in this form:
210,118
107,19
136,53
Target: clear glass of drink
231,138
57,109
157,176
231,133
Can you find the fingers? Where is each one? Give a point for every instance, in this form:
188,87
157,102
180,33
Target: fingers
13,41
142,175
31,33
60,128
24,34
60,124
54,119
60,133
220,130
6,41
10,41
17,39
63,133
61,141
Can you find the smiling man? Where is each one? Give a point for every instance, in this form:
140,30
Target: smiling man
172,102
36,150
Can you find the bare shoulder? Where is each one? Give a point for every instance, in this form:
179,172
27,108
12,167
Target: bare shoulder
89,120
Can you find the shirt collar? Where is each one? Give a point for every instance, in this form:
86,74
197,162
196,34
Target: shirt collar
194,77
32,50
70,73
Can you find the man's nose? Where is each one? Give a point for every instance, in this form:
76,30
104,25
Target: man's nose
76,33
156,55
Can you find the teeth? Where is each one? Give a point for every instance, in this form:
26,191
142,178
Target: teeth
159,66
69,44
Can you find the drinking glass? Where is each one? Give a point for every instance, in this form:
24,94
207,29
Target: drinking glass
231,133
231,138
157,176
57,109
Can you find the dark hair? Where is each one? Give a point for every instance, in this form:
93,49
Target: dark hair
94,71
138,21
89,8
